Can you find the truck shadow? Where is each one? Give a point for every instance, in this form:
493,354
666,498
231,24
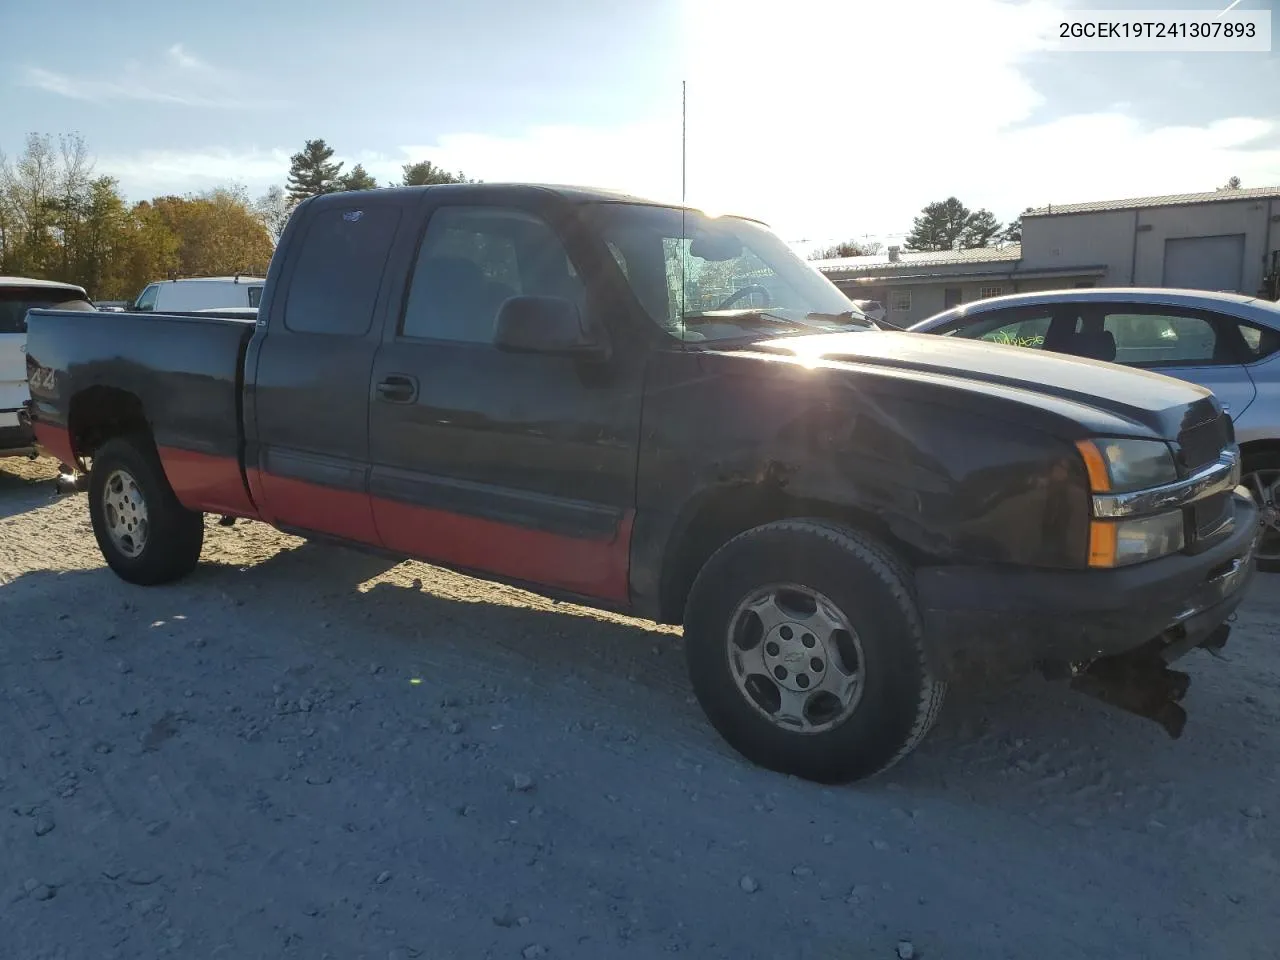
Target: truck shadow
25,484
354,617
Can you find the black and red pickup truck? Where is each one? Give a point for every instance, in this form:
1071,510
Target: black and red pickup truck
640,407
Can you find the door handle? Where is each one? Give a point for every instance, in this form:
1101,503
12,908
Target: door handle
398,388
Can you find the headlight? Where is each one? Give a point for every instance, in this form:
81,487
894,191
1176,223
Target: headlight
1118,543
1120,466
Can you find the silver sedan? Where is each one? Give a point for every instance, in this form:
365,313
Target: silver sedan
1225,342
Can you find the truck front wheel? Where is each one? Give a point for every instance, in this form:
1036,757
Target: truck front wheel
146,536
804,650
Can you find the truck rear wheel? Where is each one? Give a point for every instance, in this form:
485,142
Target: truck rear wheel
146,536
804,650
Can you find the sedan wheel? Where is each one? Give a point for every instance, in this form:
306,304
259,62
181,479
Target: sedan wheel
1264,484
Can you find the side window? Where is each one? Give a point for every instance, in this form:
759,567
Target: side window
335,281
255,296
147,299
1259,342
1156,337
474,258
1015,328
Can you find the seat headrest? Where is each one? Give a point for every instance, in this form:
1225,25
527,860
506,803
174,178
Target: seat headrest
1095,346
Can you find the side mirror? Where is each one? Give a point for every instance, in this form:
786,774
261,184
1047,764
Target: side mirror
548,325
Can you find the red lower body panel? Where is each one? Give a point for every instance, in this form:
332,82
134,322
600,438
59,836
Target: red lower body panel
593,568
310,506
590,567
56,441
207,483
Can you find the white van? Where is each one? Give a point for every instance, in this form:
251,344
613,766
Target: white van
17,296
200,293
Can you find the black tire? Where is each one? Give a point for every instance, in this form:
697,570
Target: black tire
174,534
1263,460
871,587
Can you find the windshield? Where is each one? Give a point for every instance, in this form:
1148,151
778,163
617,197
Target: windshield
16,301
704,278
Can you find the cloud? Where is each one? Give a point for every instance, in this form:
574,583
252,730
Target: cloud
179,78
178,55
156,172
831,119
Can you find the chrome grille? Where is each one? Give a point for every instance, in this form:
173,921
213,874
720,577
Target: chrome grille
1201,444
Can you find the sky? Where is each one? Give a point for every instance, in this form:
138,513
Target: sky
828,119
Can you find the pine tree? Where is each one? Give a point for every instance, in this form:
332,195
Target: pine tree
312,172
359,179
979,229
424,173
950,225
939,226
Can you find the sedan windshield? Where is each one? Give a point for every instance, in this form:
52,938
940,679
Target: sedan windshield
705,278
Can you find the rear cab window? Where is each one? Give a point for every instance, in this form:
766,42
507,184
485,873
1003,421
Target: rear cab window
16,301
338,273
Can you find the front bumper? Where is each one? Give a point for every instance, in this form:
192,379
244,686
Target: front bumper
998,621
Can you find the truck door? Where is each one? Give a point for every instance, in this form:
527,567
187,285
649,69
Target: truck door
307,408
517,465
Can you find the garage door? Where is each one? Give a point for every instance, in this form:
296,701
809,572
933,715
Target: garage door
1205,263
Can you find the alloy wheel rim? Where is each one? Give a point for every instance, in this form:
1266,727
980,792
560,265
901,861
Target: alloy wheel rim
795,658
1265,487
125,510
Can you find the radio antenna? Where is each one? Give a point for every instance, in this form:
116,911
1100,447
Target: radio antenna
684,232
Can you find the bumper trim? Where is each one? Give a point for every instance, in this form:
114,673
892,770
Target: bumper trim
1219,477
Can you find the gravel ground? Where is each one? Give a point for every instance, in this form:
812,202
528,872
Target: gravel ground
303,751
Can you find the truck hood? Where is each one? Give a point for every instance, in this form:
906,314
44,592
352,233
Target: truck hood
1056,382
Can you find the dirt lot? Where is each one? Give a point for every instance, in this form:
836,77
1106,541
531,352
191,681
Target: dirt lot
305,752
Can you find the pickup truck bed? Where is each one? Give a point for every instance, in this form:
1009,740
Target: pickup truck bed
499,379
184,373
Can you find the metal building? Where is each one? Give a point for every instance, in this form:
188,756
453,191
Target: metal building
1222,240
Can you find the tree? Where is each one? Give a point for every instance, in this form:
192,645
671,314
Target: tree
424,173
272,210
217,233
847,248
103,239
313,172
979,229
1232,184
359,179
949,224
59,222
30,188
939,226
150,253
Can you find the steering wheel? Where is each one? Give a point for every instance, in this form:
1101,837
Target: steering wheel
745,291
